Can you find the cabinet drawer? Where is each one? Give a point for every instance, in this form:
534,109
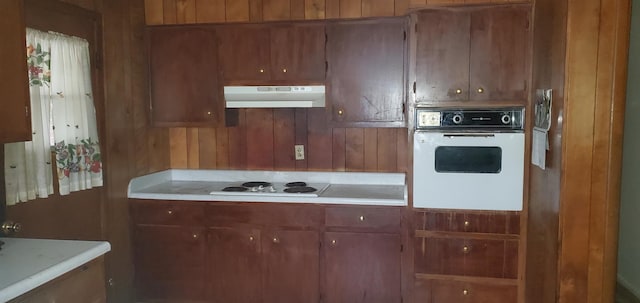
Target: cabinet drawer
264,214
467,257
473,222
167,212
383,218
439,291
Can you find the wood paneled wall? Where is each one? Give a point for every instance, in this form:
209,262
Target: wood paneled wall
265,138
580,50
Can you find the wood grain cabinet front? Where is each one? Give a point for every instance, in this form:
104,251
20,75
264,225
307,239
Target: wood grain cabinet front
282,53
473,54
183,74
466,256
15,116
366,76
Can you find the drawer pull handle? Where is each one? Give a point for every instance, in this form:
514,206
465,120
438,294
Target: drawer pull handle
465,292
466,249
361,218
170,212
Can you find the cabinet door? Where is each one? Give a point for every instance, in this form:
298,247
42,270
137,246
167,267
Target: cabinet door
499,53
362,267
235,265
365,78
291,266
297,53
170,262
442,56
15,116
245,54
184,76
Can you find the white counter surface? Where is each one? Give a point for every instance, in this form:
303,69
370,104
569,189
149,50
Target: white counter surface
28,263
344,187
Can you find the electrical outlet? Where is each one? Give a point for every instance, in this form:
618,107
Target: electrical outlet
299,151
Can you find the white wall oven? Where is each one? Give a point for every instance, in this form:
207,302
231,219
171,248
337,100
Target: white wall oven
468,159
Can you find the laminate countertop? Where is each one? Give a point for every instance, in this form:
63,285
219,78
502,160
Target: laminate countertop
387,189
28,263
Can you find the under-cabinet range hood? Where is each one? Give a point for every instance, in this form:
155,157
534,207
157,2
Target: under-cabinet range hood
274,96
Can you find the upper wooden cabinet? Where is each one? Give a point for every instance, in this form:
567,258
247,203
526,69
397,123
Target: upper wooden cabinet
366,76
183,65
289,53
478,54
15,116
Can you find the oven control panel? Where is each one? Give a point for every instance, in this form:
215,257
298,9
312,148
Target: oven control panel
506,119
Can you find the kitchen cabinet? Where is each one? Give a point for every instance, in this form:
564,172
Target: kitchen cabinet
170,250
15,116
83,284
365,74
184,76
466,256
279,53
362,255
473,54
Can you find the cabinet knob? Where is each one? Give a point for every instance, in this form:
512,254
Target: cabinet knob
458,91
284,70
340,112
276,240
209,113
466,224
169,212
334,242
361,218
480,90
251,238
261,70
465,292
195,236
466,249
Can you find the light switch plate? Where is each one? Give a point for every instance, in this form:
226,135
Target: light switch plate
299,152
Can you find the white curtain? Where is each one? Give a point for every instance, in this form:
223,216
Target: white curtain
63,116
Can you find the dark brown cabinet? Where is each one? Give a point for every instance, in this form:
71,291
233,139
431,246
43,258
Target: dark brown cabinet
287,53
184,85
362,267
466,256
477,54
362,254
366,76
15,116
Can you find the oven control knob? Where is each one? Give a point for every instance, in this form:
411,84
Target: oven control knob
457,119
506,119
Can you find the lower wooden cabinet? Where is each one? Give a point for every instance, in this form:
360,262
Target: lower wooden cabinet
362,267
170,262
451,291
266,253
84,284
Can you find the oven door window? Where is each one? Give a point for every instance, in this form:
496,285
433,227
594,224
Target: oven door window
468,159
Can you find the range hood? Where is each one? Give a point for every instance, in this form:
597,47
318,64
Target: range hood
274,96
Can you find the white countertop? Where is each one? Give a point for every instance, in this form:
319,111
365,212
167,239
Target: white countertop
387,189
28,263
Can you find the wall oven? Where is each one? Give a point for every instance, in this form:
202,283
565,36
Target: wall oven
468,159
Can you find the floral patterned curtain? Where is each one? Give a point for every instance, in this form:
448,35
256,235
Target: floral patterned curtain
63,120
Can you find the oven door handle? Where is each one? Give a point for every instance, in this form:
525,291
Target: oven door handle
476,135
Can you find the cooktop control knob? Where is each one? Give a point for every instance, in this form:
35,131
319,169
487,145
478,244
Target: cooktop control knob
457,119
506,118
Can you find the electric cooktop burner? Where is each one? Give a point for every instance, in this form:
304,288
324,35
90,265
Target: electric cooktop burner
256,184
299,189
293,184
235,188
